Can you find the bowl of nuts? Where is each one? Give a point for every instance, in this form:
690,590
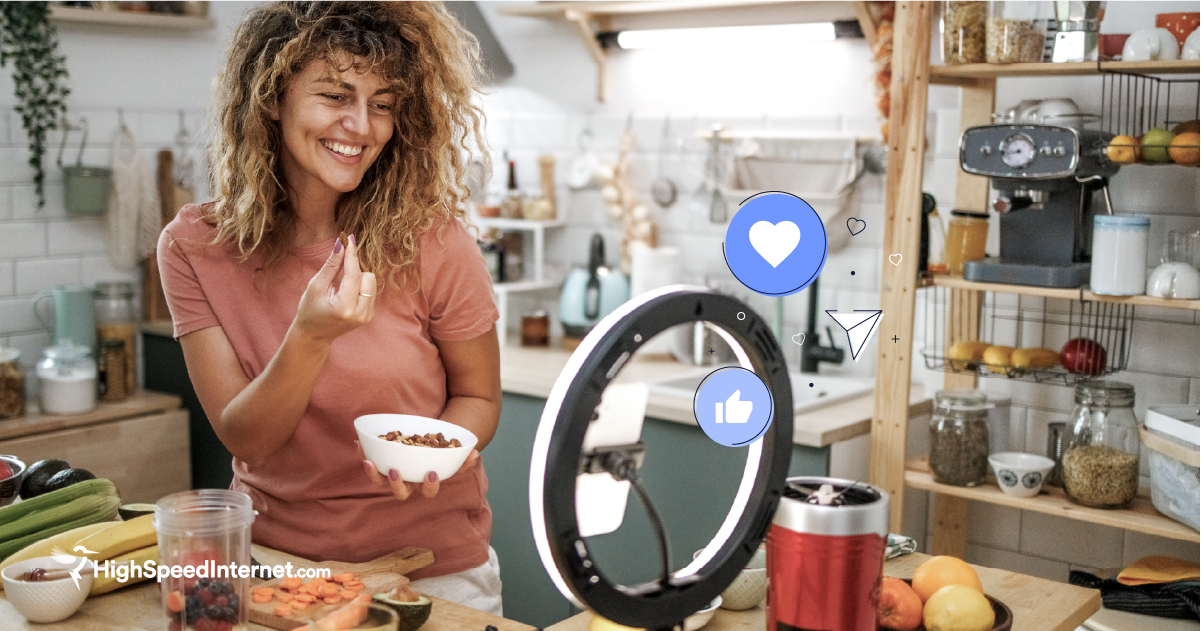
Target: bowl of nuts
414,445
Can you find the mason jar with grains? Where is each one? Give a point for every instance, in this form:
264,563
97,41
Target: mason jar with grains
12,383
963,31
959,437
1100,463
115,322
1016,31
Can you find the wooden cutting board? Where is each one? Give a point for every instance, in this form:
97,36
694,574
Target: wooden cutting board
379,575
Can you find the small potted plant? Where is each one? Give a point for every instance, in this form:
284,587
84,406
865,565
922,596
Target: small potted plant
30,42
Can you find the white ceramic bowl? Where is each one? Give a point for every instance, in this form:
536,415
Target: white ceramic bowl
702,617
45,601
412,463
1019,474
749,587
1063,112
10,487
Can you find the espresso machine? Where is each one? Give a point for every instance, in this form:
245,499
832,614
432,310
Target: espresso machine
1079,24
1044,179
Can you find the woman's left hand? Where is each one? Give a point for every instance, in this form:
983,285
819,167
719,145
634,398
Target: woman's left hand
401,489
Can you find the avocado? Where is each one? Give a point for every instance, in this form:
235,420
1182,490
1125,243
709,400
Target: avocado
130,511
38,474
412,614
67,477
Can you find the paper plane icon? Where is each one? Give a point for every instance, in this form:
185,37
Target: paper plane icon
860,325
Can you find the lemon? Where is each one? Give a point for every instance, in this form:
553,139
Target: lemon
957,608
603,624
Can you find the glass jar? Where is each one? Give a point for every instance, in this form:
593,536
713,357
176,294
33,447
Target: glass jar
115,320
967,234
67,378
1100,463
959,437
962,29
1119,262
12,383
209,531
1016,31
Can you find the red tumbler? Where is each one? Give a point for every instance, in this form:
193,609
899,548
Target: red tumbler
825,556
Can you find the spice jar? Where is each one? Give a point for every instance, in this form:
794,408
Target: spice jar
959,437
1100,463
1016,31
967,234
115,321
12,383
111,368
963,31
205,535
67,377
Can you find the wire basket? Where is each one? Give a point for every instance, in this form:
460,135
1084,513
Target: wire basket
1134,104
1026,322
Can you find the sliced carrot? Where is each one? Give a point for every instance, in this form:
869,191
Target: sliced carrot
343,577
348,594
260,598
304,598
263,590
175,602
329,590
355,589
282,610
298,605
284,597
332,600
292,582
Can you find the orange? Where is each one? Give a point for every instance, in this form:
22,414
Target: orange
1122,150
1186,148
899,607
941,571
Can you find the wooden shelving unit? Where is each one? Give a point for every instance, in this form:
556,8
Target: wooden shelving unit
912,75
1140,515
74,15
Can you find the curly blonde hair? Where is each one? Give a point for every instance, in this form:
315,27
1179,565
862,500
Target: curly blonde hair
418,180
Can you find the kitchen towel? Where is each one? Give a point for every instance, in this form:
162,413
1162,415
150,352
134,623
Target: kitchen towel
1159,569
133,209
652,268
1167,600
899,545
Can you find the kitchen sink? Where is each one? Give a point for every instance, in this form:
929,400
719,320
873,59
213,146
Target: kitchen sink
824,391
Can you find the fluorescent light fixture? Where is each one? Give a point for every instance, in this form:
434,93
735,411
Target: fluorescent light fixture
727,36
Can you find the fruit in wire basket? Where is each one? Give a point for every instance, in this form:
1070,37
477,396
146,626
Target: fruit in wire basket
1033,358
1186,148
996,357
1083,356
1155,145
963,354
1122,150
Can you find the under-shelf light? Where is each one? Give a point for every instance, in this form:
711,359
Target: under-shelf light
759,34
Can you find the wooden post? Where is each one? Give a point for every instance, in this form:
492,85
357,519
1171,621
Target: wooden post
583,24
902,233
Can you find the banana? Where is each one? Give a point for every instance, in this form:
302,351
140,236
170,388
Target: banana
1034,358
65,541
962,354
105,584
997,357
125,536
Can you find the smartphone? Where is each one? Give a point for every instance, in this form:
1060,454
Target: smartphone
600,499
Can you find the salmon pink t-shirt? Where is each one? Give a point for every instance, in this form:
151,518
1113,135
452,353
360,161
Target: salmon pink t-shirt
312,496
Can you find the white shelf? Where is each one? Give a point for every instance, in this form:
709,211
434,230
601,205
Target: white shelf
75,15
501,223
522,285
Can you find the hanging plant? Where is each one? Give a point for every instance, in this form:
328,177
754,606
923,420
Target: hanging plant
39,76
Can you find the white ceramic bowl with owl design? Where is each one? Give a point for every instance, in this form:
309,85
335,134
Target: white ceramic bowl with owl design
1019,474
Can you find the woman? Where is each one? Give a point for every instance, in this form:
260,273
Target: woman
347,118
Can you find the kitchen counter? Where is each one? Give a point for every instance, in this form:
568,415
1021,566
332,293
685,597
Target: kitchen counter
1037,604
532,372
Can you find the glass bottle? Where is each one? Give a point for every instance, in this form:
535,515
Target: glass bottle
67,379
12,383
967,234
115,320
962,29
1100,463
511,207
959,437
1016,31
936,261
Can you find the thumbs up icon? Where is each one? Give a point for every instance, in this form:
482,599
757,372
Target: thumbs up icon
735,411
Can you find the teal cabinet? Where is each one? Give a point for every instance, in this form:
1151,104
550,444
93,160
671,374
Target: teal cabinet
690,479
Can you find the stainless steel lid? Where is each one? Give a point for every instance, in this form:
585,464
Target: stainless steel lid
833,506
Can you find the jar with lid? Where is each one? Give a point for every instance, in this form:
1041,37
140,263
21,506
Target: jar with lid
1016,31
12,383
959,437
1100,463
115,321
67,378
210,529
967,234
963,31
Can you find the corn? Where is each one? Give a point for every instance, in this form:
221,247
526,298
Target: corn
105,584
43,524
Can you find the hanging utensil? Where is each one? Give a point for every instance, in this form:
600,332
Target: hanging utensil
718,208
663,190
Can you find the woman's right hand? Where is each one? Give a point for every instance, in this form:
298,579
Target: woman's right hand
328,310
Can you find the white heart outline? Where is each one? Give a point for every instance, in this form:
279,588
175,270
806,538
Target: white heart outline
800,343
896,262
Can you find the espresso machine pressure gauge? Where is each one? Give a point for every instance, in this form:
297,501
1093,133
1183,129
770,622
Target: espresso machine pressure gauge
1017,151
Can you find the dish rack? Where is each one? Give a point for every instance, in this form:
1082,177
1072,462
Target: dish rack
1024,321
1132,104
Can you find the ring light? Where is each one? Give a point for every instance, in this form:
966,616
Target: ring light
558,454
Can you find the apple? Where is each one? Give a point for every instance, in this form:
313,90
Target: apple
1083,356
1155,145
6,471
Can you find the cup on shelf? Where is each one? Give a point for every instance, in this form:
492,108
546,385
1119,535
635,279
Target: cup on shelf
1020,474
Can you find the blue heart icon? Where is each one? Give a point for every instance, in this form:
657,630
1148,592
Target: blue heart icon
856,225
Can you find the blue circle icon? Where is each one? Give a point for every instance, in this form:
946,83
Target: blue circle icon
733,406
776,244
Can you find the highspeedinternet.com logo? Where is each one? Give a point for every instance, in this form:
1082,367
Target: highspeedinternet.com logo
148,569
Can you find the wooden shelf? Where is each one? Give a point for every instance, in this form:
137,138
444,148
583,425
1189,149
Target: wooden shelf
74,15
502,223
958,74
1140,516
957,282
559,9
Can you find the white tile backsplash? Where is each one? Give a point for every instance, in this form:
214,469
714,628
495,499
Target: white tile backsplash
1138,545
7,278
1070,541
34,276
988,556
18,240
77,236
994,525
16,316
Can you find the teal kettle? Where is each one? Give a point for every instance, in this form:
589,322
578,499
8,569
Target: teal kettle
589,295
